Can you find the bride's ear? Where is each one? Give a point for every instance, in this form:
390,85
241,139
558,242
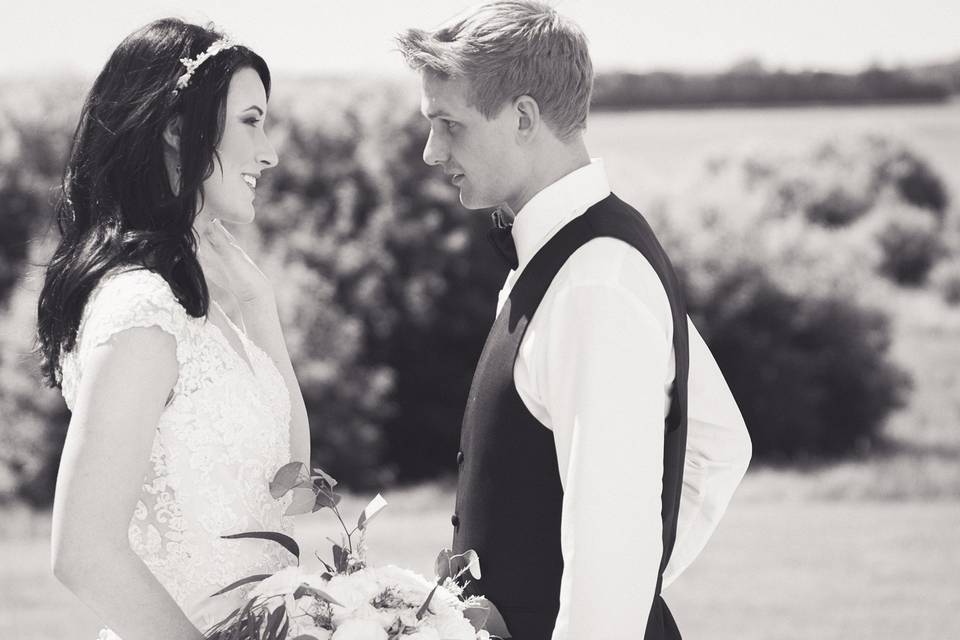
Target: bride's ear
171,135
171,151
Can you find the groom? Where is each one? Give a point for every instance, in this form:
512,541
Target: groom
600,443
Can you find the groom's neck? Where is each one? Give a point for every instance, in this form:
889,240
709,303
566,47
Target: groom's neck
553,159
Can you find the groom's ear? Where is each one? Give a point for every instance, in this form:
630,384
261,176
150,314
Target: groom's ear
171,134
528,117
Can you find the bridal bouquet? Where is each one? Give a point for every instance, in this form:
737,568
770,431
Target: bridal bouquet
351,600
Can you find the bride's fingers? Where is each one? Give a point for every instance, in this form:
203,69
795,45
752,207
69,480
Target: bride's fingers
224,230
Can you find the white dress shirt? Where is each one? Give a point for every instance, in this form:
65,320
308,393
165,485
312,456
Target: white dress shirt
595,367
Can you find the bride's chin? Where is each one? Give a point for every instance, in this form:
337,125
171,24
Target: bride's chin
235,217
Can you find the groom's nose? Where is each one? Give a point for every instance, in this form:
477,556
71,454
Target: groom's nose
435,151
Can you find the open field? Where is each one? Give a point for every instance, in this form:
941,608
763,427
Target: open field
775,570
647,152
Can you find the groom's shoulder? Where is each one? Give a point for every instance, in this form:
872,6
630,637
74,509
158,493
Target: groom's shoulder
608,261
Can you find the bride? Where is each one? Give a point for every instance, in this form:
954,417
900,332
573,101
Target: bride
180,414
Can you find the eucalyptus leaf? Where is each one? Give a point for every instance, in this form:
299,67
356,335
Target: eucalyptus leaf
326,477
477,616
274,619
286,478
324,563
468,561
442,565
241,582
496,626
282,634
307,590
426,603
340,558
283,540
370,511
473,563
325,500
303,501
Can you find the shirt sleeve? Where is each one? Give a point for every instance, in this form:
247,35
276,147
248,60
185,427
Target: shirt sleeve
602,379
717,455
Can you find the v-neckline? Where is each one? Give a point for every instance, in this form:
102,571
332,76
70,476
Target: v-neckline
244,357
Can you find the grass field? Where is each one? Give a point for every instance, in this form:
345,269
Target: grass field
784,570
649,152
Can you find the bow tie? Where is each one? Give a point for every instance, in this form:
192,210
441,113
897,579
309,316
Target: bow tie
501,236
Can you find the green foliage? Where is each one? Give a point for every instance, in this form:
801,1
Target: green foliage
881,200
33,419
781,300
910,245
946,279
387,285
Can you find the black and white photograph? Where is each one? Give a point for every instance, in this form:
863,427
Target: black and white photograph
460,320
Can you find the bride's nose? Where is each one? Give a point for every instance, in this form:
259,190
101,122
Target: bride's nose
266,154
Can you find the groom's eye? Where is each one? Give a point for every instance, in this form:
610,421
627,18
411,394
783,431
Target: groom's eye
450,124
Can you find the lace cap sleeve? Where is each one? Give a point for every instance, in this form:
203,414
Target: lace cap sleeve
126,300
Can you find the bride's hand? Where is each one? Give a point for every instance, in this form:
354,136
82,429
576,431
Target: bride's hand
229,267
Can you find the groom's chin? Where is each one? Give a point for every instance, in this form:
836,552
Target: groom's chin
473,203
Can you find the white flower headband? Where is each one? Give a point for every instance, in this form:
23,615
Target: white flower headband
192,65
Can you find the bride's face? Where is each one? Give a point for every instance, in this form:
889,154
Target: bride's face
244,152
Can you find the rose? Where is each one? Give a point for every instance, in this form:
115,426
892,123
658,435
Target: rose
413,587
359,630
353,590
315,632
451,625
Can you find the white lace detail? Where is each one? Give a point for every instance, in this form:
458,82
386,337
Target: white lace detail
219,441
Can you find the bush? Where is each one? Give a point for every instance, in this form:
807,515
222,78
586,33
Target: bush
33,419
946,280
871,191
910,243
779,302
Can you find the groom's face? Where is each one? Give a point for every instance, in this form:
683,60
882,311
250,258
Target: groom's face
479,155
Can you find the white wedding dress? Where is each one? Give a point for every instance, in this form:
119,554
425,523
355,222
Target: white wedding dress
220,439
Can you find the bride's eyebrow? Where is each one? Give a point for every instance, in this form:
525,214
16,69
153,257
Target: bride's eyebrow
253,107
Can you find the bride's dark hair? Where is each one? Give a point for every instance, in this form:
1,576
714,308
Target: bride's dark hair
116,205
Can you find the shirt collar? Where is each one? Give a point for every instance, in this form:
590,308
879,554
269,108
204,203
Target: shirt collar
554,205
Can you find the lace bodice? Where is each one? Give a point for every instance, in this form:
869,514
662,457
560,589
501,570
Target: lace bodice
220,439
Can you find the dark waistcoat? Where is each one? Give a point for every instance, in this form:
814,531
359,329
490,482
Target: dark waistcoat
509,494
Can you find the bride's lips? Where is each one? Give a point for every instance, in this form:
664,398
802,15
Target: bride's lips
250,180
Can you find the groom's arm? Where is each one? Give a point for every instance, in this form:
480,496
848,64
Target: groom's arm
603,380
717,456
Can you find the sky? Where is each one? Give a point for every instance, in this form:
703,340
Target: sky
343,37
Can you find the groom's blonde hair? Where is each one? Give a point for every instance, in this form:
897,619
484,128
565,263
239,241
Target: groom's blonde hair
506,49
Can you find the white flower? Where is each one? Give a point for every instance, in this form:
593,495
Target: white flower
353,590
452,626
423,633
483,634
316,632
365,611
359,630
409,618
412,586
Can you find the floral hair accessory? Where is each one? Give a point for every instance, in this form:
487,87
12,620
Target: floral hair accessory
192,65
